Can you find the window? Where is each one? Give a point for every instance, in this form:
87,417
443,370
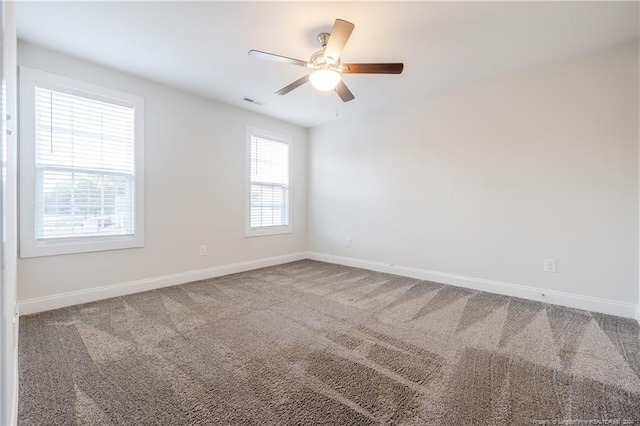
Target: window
268,210
81,166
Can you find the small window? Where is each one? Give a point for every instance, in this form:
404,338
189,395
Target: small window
81,181
269,183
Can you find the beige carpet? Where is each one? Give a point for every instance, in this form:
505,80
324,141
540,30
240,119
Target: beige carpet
315,343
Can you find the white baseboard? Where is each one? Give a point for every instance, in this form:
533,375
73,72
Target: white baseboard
45,303
594,304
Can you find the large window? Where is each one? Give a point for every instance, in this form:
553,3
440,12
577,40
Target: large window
81,152
269,183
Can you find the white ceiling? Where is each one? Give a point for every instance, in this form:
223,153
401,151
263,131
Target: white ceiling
202,47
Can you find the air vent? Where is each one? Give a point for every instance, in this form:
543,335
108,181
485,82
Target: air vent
252,101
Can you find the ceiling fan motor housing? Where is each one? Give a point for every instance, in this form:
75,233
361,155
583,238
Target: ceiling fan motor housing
320,62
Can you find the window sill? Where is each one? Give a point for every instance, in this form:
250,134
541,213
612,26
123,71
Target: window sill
261,232
76,246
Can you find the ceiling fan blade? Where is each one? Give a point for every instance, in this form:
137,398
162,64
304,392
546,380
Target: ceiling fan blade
299,82
339,36
372,68
343,91
283,59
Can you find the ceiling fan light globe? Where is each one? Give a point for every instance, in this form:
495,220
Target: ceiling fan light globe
325,80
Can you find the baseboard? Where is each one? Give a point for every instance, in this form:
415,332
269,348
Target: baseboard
611,307
46,303
594,304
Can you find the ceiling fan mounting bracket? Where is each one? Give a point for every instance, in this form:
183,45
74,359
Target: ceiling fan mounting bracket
323,39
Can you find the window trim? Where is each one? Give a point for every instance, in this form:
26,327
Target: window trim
29,245
276,137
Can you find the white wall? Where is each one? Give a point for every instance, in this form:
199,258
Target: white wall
483,183
491,179
194,189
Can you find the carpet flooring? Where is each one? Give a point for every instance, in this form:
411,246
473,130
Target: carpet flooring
315,343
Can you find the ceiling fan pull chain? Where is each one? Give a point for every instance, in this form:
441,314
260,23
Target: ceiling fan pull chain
313,96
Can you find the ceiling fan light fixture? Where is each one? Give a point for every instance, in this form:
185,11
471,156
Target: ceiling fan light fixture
325,80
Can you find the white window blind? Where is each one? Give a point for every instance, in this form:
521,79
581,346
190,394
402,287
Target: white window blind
85,166
269,183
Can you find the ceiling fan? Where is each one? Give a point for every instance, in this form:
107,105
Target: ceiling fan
326,65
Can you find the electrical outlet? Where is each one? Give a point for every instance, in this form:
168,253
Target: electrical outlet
203,250
551,265
347,242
